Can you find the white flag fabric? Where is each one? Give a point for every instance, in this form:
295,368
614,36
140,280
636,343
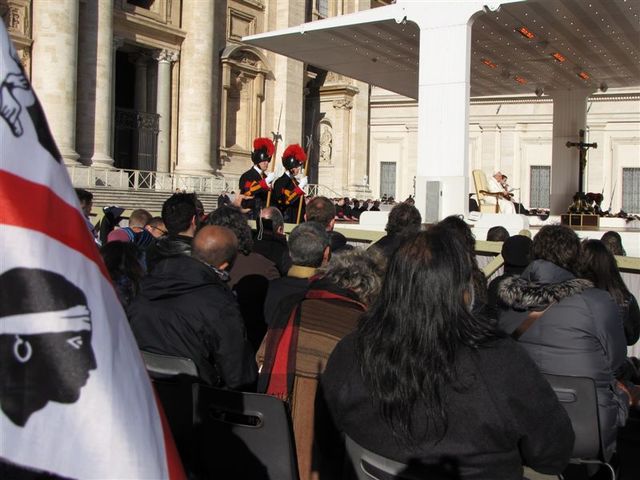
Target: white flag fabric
75,399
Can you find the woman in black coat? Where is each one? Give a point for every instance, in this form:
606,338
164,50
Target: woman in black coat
423,381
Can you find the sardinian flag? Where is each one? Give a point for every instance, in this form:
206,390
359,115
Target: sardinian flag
75,399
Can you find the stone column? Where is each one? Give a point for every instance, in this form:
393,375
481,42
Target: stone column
569,117
342,106
95,78
196,89
163,106
140,99
116,44
290,73
54,72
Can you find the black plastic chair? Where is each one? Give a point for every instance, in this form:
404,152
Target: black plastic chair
165,366
579,398
175,382
363,464
245,435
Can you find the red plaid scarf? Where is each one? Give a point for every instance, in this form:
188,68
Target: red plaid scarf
279,368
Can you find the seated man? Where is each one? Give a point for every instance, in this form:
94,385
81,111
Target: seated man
323,211
180,217
270,241
309,247
494,184
186,309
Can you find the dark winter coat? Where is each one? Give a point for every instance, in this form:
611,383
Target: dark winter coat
274,247
167,246
580,334
296,281
185,309
502,414
338,242
388,244
249,279
630,318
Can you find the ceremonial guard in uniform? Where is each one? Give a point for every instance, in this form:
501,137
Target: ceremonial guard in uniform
255,183
288,189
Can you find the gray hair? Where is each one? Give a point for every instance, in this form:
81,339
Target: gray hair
307,243
358,270
275,215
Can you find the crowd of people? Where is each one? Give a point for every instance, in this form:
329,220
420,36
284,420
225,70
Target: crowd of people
403,347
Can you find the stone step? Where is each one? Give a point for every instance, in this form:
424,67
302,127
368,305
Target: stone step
148,199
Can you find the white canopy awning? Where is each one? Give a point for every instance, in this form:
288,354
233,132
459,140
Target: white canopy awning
597,43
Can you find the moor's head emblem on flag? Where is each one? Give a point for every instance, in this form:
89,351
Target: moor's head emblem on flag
16,97
45,342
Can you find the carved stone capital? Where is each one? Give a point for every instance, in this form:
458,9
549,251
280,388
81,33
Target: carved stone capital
166,56
117,42
343,104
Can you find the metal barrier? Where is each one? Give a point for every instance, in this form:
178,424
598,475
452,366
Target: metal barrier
316,190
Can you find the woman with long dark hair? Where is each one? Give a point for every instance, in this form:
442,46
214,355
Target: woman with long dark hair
598,264
422,380
458,228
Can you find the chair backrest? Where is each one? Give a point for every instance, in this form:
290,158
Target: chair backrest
366,465
175,382
482,187
578,396
159,365
480,182
246,435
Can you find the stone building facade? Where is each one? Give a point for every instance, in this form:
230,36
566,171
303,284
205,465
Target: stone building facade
168,86
514,135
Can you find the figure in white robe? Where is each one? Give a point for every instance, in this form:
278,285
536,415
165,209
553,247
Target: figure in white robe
494,186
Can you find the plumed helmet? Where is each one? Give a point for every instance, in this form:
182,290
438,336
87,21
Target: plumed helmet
293,157
263,149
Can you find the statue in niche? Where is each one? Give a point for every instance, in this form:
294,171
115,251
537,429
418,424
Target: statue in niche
326,144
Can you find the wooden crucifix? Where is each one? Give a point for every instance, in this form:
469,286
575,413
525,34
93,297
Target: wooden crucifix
582,149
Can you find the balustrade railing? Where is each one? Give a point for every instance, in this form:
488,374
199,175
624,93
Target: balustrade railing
101,177
124,178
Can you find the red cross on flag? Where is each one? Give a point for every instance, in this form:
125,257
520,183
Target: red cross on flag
75,399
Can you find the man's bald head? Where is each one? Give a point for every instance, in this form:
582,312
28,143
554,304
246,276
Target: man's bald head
215,245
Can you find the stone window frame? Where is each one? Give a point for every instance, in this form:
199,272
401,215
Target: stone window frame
252,65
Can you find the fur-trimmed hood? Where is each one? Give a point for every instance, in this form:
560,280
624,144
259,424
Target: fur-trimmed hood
540,285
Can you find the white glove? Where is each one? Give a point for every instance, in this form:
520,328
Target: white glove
303,182
271,176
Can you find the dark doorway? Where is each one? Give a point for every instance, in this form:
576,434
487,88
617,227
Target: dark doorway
136,132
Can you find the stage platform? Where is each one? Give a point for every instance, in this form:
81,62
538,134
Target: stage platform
372,222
